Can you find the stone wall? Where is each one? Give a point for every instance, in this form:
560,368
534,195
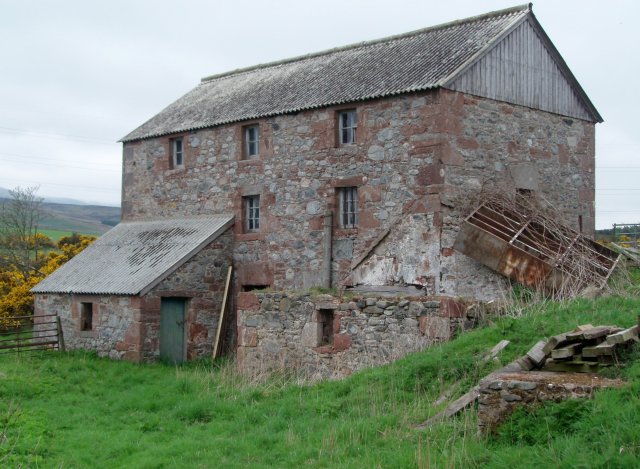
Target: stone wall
426,155
495,146
502,393
201,280
116,319
326,337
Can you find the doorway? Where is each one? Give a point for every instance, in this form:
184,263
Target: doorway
172,330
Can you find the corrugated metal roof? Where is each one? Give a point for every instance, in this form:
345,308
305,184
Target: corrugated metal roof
410,62
133,257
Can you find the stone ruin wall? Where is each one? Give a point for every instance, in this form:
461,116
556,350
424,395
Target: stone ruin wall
288,331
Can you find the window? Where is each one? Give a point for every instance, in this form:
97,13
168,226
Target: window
251,141
251,213
347,125
247,288
326,319
177,153
86,316
348,207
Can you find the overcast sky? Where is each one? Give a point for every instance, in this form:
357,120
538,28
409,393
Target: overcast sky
76,76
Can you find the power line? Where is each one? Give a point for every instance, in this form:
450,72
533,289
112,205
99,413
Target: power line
64,165
73,186
58,136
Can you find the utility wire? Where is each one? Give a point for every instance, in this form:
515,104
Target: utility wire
45,183
58,136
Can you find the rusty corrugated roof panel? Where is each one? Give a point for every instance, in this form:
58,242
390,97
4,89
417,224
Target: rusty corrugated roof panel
133,257
523,248
405,63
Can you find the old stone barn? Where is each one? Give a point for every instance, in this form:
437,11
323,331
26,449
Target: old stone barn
350,168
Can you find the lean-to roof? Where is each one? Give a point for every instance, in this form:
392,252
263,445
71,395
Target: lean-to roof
133,257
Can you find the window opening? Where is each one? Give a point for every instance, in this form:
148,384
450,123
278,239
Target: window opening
177,152
348,207
251,141
252,213
86,316
246,288
327,318
347,126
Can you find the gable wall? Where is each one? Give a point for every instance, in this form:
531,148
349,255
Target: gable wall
501,147
520,70
201,280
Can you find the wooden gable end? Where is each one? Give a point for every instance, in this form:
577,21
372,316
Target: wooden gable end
525,68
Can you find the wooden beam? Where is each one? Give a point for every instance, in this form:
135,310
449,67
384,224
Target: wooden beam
218,342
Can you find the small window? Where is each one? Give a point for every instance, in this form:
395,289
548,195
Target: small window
247,288
251,213
326,318
86,316
348,207
251,141
347,125
177,153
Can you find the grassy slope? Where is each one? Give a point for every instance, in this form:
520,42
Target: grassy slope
80,411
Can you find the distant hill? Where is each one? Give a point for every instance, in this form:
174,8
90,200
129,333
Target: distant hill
87,219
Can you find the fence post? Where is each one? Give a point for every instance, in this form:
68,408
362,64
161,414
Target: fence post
613,239
60,335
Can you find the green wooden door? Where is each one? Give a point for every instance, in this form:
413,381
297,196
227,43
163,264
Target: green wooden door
172,319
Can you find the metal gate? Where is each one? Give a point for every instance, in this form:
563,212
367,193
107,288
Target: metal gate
31,333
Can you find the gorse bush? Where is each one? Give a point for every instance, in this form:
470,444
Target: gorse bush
16,283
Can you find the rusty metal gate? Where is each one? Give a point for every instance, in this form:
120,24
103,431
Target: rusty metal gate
31,333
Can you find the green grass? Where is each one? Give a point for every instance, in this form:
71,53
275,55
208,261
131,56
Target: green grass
76,410
55,235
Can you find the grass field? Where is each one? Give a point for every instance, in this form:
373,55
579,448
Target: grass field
55,235
79,411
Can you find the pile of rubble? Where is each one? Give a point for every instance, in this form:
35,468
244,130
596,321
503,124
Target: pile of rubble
546,372
583,350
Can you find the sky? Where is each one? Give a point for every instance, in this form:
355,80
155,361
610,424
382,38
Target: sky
76,76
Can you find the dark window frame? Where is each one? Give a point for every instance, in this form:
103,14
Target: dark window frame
251,141
251,209
348,206
347,126
87,313
177,152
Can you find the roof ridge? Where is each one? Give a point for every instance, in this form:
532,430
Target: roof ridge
524,7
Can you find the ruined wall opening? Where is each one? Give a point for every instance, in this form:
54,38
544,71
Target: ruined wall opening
326,318
86,316
246,288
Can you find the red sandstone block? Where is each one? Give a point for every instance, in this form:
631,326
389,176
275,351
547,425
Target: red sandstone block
447,252
450,308
341,342
248,301
247,336
467,143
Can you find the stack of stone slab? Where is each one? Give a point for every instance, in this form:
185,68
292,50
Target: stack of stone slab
582,350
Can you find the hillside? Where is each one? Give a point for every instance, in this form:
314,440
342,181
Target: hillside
87,219
76,410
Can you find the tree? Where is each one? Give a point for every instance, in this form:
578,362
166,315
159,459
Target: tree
26,256
15,286
20,242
